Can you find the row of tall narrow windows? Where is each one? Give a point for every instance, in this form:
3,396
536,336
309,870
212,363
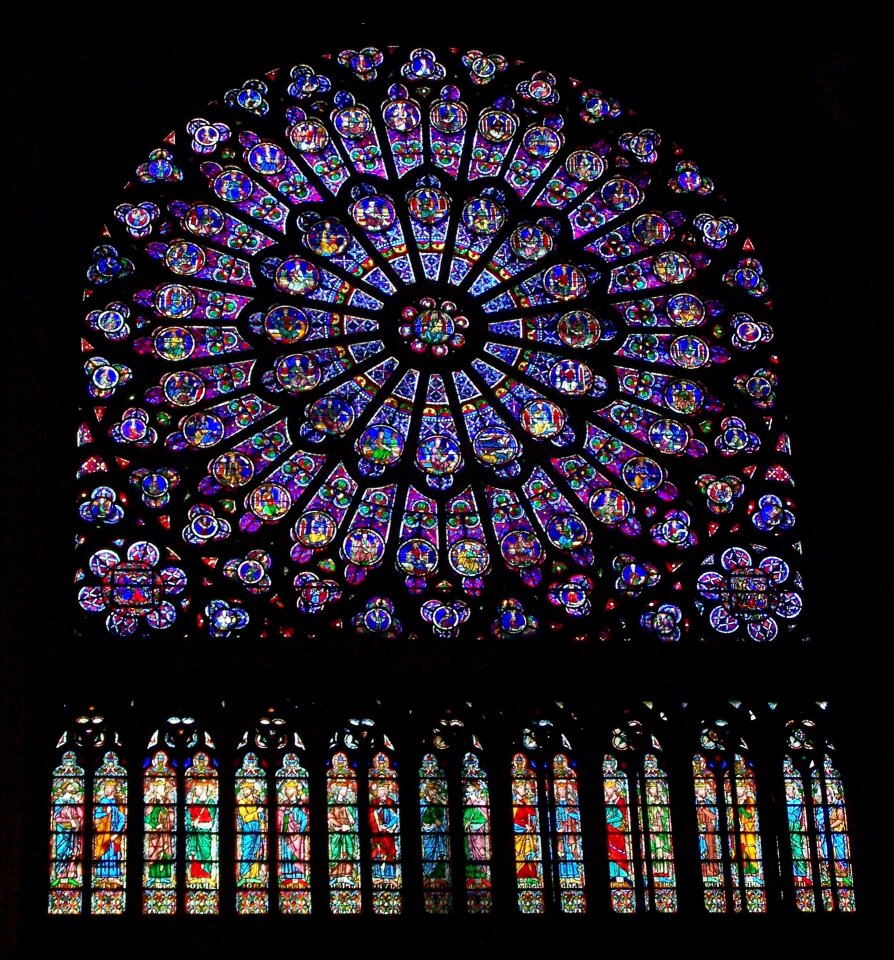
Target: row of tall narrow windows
177,827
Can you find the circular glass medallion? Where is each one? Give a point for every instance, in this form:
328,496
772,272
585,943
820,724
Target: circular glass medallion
521,549
417,557
469,558
331,415
495,447
269,501
315,529
381,445
439,455
363,547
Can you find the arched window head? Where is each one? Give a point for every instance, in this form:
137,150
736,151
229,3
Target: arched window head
437,348
726,811
817,822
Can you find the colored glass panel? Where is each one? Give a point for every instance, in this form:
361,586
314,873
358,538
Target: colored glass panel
710,836
384,836
659,863
344,840
619,836
109,861
524,255
567,840
740,791
200,826
293,833
252,855
836,869
527,836
476,836
159,836
67,837
434,822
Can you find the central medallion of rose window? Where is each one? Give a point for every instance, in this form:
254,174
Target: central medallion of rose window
433,326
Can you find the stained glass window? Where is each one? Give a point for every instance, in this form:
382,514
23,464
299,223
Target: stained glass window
201,830
109,863
546,820
443,317
384,832
160,835
528,841
619,833
364,821
67,836
642,870
454,816
434,819
817,822
477,836
88,819
729,827
567,842
252,837
181,821
293,832
416,343
344,841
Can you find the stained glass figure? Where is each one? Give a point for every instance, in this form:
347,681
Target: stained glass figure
477,836
729,829
202,868
109,861
293,833
658,834
638,820
67,837
252,856
384,832
344,841
567,839
527,835
437,263
159,836
836,871
619,835
822,871
434,821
